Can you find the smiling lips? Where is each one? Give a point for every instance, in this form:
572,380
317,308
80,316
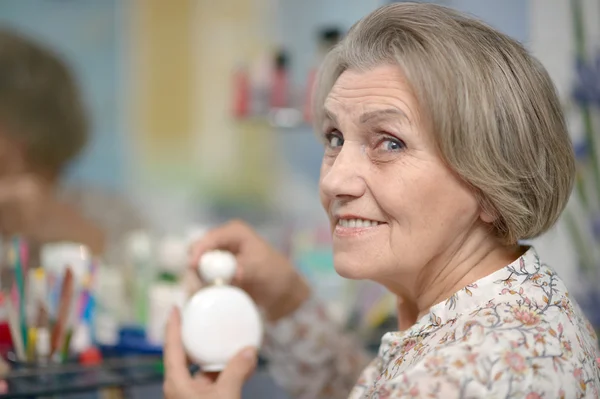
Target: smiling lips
357,223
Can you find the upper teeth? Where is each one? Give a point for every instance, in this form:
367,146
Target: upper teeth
357,223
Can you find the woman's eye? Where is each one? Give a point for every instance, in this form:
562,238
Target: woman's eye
334,140
390,144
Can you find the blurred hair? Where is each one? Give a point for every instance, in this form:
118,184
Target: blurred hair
40,103
494,111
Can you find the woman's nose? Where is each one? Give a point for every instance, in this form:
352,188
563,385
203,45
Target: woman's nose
344,177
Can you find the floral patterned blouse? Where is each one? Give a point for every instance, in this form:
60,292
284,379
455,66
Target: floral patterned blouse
515,333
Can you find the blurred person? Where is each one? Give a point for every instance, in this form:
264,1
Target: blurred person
445,147
43,128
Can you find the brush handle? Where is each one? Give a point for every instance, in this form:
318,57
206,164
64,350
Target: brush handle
20,280
13,323
66,297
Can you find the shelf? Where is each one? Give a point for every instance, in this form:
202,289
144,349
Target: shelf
286,119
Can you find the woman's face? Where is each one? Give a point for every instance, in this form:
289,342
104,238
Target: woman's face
394,206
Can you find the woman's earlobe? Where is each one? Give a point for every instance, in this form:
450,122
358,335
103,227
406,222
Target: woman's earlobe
488,213
488,216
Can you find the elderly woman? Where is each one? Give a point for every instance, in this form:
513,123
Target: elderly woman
444,146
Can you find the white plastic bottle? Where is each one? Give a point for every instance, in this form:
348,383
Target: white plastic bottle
141,272
110,309
220,319
166,290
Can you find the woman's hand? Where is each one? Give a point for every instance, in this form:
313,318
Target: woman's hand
179,384
265,274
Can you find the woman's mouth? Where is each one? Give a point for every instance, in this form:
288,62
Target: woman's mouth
347,227
357,223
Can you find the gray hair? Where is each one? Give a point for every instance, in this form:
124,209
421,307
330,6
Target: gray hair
493,108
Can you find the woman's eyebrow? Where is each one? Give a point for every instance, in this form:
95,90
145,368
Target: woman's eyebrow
330,115
371,116
382,114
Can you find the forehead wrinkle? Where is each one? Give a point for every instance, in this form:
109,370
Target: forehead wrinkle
383,114
367,108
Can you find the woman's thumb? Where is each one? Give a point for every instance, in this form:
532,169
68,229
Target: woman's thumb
237,371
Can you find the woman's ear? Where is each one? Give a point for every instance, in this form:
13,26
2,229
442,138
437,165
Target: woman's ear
487,217
488,213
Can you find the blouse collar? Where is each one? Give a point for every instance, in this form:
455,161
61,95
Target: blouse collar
472,296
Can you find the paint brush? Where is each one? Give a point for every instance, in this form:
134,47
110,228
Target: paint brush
64,306
7,280
15,330
14,258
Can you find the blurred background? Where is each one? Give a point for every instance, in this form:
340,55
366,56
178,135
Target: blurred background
199,114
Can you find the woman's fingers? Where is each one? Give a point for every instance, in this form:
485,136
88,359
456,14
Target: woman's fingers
227,237
237,371
204,379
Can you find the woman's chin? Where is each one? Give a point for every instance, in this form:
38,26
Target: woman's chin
350,270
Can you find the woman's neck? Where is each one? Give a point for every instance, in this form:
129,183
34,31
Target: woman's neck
460,265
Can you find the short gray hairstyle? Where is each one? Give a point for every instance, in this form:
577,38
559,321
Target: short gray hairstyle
494,110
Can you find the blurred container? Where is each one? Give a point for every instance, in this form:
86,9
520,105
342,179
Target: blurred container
166,290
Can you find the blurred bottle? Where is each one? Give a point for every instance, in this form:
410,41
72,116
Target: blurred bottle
166,291
242,93
141,271
328,38
110,305
56,259
280,96
195,233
